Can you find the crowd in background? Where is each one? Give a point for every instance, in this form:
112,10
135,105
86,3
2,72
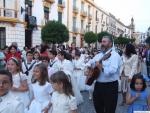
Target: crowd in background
35,74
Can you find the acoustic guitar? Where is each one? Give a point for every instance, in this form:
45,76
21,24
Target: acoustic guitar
93,73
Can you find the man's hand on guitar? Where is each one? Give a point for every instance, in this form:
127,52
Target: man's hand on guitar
99,65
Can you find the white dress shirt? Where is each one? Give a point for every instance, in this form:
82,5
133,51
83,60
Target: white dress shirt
111,66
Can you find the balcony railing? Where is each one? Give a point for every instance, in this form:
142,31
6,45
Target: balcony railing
75,29
90,16
75,9
8,13
82,31
83,13
50,1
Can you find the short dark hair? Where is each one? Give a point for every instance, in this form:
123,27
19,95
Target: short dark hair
109,37
62,53
77,53
130,49
7,73
135,77
53,52
12,46
29,52
44,58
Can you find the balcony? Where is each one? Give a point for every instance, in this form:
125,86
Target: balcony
82,31
90,16
75,10
8,15
83,13
75,29
50,1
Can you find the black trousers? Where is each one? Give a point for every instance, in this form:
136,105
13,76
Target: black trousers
105,97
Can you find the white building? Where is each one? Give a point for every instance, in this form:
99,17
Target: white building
23,20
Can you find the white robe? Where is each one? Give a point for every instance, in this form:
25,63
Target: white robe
79,74
41,97
10,104
23,96
67,67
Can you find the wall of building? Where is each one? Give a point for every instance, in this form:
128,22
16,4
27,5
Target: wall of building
14,34
67,18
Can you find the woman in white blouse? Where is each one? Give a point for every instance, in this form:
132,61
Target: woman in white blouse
129,68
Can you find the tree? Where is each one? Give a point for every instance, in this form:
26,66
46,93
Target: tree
90,37
122,40
101,34
132,40
55,32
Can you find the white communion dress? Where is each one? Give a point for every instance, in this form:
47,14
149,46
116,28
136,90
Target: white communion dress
62,103
41,97
23,96
79,74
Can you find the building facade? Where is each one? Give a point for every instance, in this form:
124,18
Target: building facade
23,20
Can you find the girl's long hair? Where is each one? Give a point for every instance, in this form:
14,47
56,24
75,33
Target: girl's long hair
44,74
130,49
61,77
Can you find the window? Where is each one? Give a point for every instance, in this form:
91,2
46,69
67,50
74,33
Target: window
74,24
82,24
74,40
60,17
96,16
59,1
82,6
96,29
8,9
2,37
89,8
74,3
46,14
1,3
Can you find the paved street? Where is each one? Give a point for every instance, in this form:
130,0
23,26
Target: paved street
87,106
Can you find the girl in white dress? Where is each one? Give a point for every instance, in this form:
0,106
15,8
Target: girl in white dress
20,86
78,72
63,100
67,66
42,90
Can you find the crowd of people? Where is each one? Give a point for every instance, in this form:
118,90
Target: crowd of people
47,79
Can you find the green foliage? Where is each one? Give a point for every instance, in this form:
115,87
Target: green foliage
55,32
123,40
132,40
90,37
101,34
148,40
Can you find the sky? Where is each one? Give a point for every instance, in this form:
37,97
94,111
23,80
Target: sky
126,9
